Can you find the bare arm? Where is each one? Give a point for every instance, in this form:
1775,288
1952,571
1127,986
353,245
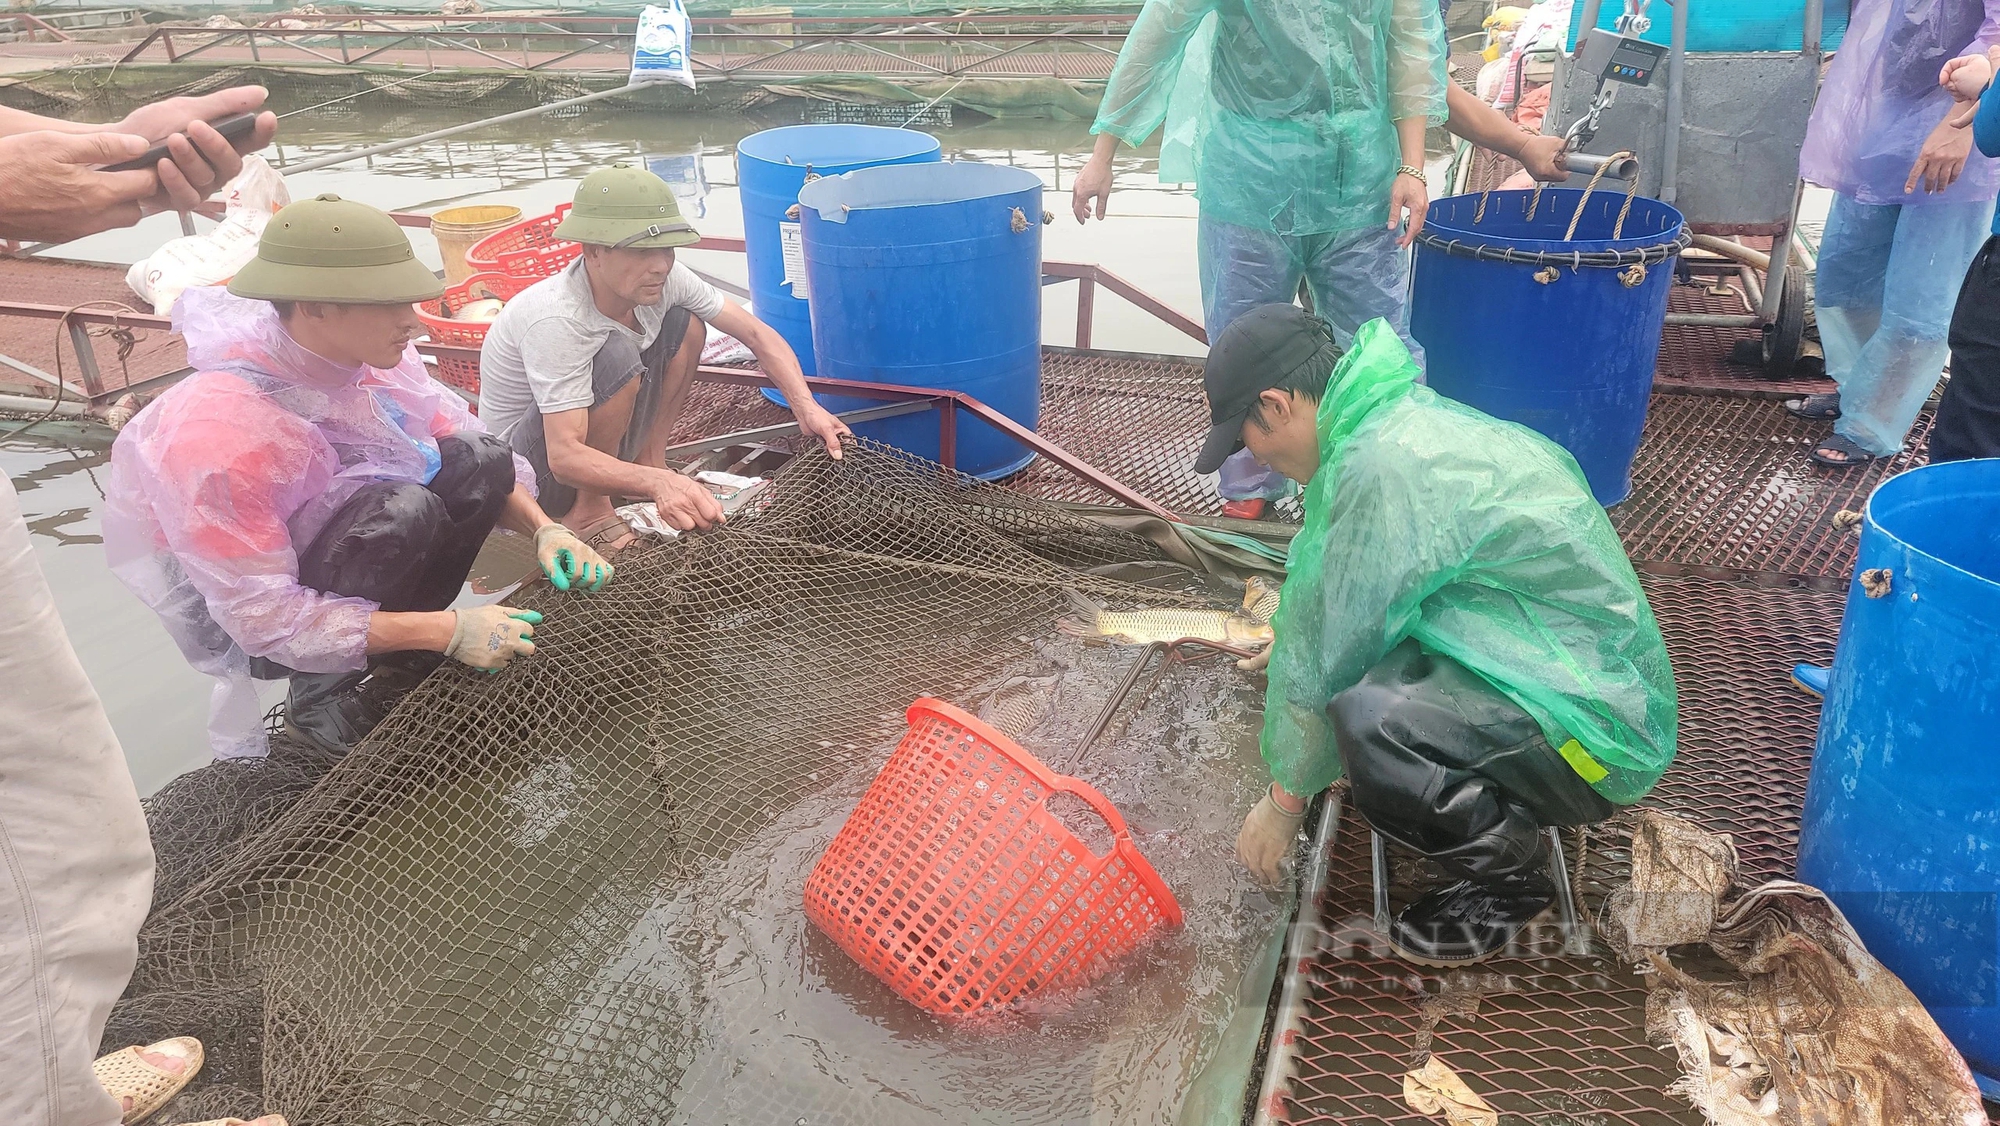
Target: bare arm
777,360
397,633
1475,121
683,503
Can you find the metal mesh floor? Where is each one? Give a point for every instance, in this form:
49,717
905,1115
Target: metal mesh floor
1724,483
1560,1039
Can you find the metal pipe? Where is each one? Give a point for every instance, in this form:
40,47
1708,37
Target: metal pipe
440,134
1624,167
1753,290
1781,256
1670,149
1815,23
26,404
1714,320
787,429
1732,250
1301,944
1591,12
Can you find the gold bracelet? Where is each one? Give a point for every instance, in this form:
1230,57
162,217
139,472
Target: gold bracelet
1413,170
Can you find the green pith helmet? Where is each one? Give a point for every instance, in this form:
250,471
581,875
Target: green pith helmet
621,207
335,250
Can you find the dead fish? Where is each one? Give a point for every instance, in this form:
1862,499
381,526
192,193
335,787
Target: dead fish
1144,627
1260,598
484,309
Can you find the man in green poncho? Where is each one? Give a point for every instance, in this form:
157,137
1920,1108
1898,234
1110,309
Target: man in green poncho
1460,632
1302,127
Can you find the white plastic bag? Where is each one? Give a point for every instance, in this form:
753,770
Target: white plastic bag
660,50
250,200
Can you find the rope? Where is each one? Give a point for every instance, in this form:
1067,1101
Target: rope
1575,259
1632,189
126,338
1631,264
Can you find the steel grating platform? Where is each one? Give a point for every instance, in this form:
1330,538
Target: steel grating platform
1724,483
1554,1038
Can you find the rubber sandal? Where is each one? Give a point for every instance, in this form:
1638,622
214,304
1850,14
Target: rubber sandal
608,536
125,1074
1825,406
1851,455
1812,679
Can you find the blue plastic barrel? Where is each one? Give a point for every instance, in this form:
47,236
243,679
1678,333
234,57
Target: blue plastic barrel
1563,337
1902,815
930,275
770,168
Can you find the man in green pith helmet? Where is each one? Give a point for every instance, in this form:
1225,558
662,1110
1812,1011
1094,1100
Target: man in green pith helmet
585,373
309,502
1460,632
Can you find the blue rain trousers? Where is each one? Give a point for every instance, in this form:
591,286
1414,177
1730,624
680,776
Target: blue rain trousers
1353,276
1887,282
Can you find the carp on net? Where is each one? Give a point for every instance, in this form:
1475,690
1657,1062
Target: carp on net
427,930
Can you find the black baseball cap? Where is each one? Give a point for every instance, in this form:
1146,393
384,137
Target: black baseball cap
1257,351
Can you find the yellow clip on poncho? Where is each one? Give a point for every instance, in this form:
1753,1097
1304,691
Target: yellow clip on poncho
1281,112
1479,538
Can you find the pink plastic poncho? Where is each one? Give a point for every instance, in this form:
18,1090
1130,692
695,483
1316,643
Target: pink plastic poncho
217,485
1881,100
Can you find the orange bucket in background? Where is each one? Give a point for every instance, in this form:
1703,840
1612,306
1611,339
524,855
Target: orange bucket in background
459,228
443,327
955,883
527,249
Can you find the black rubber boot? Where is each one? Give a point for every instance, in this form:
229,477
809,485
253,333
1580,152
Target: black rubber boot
1465,922
334,711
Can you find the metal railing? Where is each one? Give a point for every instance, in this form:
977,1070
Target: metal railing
1054,46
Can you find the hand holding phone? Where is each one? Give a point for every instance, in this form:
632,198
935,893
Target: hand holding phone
233,128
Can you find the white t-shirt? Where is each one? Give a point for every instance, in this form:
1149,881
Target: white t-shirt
538,354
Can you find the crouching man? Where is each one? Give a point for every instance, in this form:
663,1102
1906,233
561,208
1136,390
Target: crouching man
310,501
587,372
1460,631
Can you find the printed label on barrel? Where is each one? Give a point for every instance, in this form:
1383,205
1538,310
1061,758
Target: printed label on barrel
794,252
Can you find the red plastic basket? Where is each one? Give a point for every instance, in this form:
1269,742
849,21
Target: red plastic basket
529,248
955,884
437,317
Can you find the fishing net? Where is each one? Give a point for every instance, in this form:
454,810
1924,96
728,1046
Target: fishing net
447,926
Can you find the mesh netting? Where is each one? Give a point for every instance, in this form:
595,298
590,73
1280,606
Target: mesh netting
443,928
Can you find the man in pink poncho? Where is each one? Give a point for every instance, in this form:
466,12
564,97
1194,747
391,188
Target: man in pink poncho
309,503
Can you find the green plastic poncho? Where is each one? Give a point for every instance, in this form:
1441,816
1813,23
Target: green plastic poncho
1479,538
1283,114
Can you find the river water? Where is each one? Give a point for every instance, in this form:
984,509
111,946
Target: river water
157,705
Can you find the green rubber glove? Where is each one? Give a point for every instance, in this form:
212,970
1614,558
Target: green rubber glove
488,637
569,563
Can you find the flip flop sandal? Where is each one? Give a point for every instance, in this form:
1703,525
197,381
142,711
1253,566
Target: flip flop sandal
1851,455
1812,679
603,534
1816,406
125,1074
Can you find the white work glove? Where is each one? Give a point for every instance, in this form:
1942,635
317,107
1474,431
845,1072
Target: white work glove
1266,839
487,637
1257,662
570,563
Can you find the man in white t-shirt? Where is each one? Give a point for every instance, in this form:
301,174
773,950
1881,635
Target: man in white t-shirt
585,373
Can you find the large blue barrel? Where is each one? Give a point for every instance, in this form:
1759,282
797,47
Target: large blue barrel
1902,816
770,168
1554,333
930,275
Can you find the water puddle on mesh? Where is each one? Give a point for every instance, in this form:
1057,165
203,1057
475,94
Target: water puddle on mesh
785,1029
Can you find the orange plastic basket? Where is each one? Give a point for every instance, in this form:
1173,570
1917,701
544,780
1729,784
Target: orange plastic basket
955,884
528,249
437,317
